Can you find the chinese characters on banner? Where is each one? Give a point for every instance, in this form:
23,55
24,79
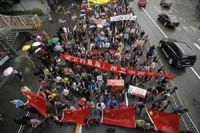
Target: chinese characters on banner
112,68
115,82
123,17
139,92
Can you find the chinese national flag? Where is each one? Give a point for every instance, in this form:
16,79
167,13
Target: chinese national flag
75,116
164,121
36,101
124,117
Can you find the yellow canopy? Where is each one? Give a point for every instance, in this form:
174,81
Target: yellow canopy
101,2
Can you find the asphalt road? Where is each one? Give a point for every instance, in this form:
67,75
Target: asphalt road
187,80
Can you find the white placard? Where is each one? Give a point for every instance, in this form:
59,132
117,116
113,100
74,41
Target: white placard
99,77
123,17
137,91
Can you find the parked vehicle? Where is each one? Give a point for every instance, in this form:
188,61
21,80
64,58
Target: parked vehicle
166,3
168,20
178,53
142,3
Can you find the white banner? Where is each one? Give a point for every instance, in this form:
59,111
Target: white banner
123,17
137,91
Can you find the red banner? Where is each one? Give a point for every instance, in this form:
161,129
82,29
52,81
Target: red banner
75,116
113,68
124,117
36,101
164,121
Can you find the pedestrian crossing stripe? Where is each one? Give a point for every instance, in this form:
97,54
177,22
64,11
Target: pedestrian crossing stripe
197,45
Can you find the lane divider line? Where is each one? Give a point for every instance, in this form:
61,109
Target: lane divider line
171,81
195,44
184,27
194,29
157,9
195,72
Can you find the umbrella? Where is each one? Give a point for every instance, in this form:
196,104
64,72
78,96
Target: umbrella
100,26
106,24
102,14
82,15
8,71
58,48
92,26
55,40
74,17
49,42
83,10
26,47
35,44
37,50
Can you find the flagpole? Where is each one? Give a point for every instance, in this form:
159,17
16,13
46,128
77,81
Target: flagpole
151,120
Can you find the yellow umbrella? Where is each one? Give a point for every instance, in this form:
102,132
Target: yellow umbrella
26,47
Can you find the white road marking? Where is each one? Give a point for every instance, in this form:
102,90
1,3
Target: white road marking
194,29
178,28
197,45
174,10
185,28
195,72
157,9
180,18
171,81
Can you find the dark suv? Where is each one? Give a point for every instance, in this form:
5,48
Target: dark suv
178,53
166,3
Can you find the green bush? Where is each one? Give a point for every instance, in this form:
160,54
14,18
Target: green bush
37,11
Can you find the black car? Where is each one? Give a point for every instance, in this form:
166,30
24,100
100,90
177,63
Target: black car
178,53
168,20
166,3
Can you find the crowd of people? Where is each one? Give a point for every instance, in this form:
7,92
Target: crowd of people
67,85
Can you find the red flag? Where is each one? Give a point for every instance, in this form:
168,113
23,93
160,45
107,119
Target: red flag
36,101
124,117
75,116
164,121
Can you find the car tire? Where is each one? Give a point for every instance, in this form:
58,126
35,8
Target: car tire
165,23
170,61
